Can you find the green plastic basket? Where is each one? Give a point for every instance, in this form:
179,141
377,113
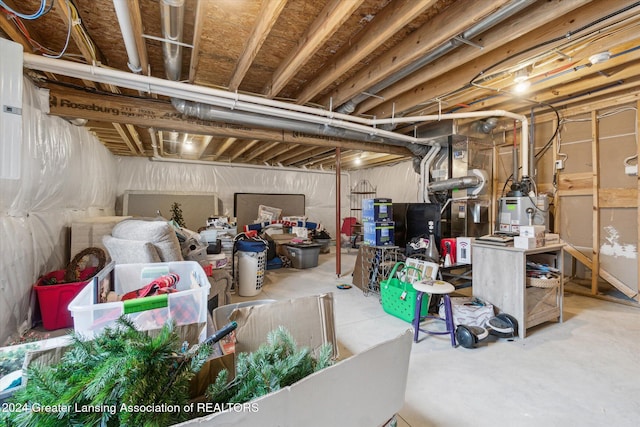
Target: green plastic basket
399,297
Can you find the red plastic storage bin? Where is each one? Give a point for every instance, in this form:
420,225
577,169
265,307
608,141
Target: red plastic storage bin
54,299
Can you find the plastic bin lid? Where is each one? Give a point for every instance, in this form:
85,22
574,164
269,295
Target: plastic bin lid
304,245
250,246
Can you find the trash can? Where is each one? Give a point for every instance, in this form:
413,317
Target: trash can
252,260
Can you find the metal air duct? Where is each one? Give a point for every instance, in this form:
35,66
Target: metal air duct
482,26
172,16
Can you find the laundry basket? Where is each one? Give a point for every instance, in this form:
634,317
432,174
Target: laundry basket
252,262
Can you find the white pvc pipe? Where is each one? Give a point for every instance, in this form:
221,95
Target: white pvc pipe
425,165
124,19
255,104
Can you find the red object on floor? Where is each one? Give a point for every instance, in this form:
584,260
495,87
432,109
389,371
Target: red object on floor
54,299
348,224
450,244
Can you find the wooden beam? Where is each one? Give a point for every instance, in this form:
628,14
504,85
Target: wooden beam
266,146
417,88
296,152
267,17
465,62
206,140
576,181
449,23
136,138
67,102
595,160
224,147
243,149
197,35
9,27
638,200
124,136
89,51
334,14
625,289
618,198
393,18
600,79
579,256
304,158
275,152
136,26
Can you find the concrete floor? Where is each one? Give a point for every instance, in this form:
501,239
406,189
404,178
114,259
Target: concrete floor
582,372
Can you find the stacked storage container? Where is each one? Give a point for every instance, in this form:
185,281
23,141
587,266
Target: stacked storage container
377,216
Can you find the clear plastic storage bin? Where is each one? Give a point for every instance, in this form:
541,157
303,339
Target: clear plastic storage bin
188,305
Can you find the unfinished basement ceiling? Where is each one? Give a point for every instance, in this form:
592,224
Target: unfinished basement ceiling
367,58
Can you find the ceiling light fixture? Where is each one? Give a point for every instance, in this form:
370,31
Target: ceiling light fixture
522,86
599,58
521,75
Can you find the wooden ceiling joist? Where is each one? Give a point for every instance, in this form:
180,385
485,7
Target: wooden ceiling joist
457,70
393,18
267,17
451,22
334,14
161,115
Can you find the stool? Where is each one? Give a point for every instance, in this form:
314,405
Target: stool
431,287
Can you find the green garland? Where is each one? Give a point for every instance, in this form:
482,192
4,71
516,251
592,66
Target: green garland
276,364
121,366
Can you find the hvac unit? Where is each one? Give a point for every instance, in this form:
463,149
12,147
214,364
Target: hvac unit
11,113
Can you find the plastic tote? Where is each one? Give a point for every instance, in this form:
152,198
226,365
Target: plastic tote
187,306
399,297
54,299
252,261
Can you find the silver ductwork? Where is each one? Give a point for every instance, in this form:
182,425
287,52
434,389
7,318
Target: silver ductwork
482,26
172,16
211,113
455,183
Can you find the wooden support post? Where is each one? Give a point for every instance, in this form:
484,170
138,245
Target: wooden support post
338,195
595,268
638,186
556,177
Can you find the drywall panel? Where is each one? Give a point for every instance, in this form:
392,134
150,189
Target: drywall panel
196,207
544,163
617,121
613,151
617,130
575,143
619,244
247,205
576,220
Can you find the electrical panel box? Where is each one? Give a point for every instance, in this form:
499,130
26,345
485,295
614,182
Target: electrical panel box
10,109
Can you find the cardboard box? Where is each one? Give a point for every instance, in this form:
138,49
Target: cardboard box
379,233
551,238
524,242
361,399
377,210
463,250
282,239
535,231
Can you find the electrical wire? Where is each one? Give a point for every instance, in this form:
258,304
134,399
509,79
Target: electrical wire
566,36
42,10
66,43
